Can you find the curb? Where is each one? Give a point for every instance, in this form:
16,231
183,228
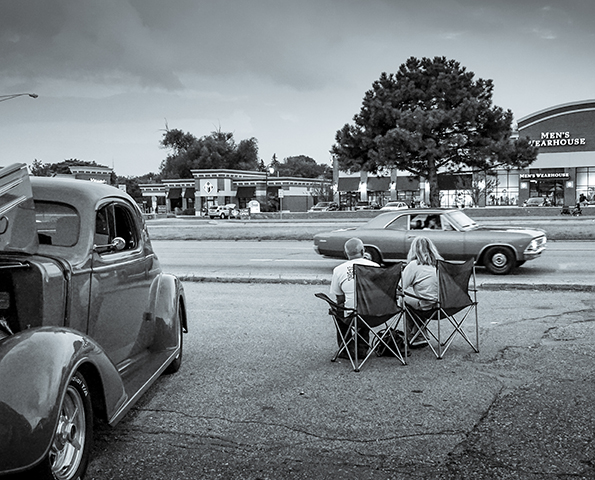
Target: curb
545,287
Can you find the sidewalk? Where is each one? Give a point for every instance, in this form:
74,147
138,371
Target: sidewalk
497,284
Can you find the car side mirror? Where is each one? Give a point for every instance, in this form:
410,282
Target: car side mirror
118,244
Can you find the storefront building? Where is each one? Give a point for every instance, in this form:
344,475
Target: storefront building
212,187
563,173
92,173
565,167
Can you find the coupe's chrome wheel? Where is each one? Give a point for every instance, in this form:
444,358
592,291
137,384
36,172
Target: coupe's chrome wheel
69,452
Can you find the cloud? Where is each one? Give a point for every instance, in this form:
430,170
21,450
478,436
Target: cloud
100,42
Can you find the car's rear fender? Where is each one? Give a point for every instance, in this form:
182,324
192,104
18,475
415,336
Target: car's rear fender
168,295
374,252
35,368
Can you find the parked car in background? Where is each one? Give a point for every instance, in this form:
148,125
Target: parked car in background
324,207
367,206
388,236
535,202
224,211
394,206
88,321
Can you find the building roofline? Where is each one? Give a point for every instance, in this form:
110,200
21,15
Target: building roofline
556,111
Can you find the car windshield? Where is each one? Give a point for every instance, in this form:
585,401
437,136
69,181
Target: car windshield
462,221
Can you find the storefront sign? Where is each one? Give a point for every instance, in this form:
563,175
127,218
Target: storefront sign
557,139
208,187
543,176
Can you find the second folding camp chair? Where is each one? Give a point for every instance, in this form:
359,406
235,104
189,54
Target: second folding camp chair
376,306
440,325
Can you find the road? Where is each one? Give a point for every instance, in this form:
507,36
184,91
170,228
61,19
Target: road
563,262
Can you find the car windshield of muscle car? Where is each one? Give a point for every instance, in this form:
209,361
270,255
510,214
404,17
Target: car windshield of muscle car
88,321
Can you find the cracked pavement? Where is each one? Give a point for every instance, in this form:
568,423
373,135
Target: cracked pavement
258,398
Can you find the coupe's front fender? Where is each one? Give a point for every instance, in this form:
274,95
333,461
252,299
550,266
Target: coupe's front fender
35,368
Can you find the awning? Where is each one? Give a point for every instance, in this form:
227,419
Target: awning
350,184
378,184
189,193
407,183
174,193
246,192
448,181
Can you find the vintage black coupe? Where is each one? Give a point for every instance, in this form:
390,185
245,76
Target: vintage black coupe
388,237
88,321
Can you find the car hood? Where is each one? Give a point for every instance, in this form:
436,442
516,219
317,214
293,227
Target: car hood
526,231
17,211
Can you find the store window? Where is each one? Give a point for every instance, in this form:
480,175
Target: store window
506,190
585,184
547,184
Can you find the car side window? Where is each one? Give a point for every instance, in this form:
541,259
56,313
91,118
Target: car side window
102,235
399,223
57,224
116,221
125,226
417,222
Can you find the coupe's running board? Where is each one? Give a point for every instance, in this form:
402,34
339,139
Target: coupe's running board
138,380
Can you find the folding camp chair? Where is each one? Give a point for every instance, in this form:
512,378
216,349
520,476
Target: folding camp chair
454,305
375,306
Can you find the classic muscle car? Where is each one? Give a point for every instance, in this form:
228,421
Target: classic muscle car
88,321
388,237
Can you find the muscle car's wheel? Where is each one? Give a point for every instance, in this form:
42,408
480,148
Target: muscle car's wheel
374,254
174,366
499,260
69,453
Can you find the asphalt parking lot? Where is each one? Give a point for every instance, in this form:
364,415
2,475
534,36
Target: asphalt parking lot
258,398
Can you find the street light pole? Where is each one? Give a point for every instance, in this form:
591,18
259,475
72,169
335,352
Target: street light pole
3,98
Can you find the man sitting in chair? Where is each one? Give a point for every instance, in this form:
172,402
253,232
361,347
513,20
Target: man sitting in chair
343,284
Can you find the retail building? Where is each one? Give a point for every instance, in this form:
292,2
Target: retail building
210,187
563,173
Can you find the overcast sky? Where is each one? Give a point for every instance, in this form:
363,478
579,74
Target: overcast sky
111,74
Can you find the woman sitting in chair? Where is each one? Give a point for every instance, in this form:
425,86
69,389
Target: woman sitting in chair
420,278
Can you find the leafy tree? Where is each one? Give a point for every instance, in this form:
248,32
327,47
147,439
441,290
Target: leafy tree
217,150
430,117
133,184
304,167
40,169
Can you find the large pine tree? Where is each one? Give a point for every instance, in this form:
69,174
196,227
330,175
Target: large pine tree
432,116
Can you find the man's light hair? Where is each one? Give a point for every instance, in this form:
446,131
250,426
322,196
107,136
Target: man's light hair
354,247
